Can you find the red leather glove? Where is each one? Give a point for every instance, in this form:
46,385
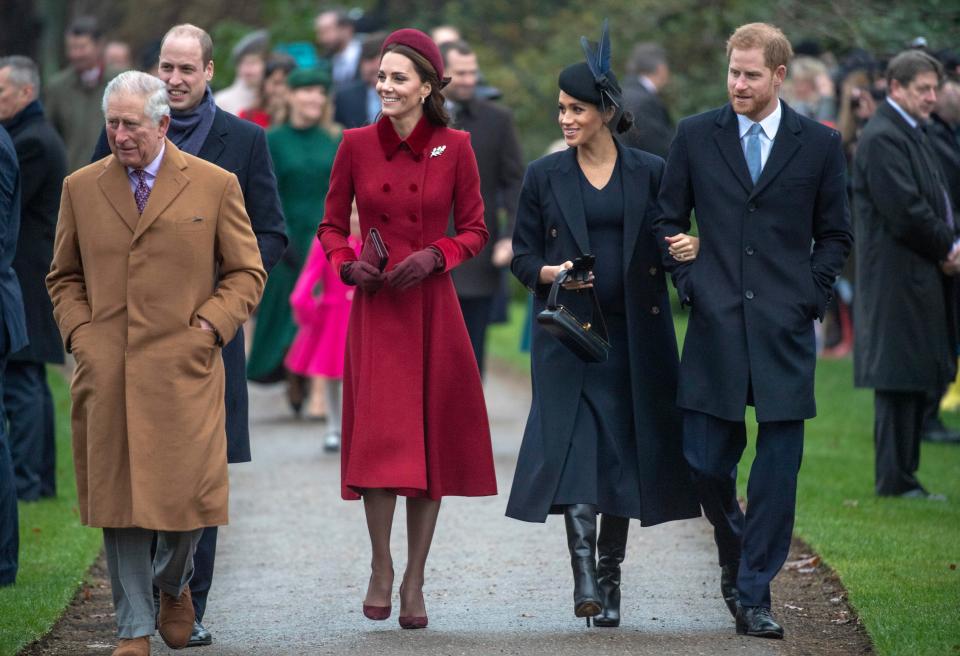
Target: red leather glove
414,268
362,274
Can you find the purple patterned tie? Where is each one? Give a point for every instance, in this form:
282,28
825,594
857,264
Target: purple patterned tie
142,192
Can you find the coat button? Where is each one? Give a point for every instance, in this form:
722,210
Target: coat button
386,187
752,207
413,187
749,250
385,217
655,310
653,271
748,294
553,232
413,217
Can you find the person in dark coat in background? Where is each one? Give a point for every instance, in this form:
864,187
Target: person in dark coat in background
358,103
43,165
652,129
200,128
601,438
500,162
414,417
944,133
907,256
13,337
765,183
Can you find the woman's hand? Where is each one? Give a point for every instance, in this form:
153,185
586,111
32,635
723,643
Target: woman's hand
549,273
683,247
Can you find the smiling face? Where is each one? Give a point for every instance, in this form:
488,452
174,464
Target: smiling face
400,89
752,87
134,139
580,121
919,97
307,105
181,67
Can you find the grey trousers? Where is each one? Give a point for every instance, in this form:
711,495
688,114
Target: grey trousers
133,574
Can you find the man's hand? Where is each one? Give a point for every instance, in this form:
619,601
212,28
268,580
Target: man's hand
206,325
951,266
502,252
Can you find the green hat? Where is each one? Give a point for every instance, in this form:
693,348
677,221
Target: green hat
310,77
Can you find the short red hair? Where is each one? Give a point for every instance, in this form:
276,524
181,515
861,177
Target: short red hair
777,50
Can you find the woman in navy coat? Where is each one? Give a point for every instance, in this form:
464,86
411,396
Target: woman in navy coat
601,438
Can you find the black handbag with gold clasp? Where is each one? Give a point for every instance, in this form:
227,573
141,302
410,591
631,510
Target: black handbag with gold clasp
586,342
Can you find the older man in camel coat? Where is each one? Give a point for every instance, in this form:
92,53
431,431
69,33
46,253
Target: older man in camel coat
155,268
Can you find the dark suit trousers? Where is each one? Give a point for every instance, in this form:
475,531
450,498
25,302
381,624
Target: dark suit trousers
203,559
476,315
759,540
29,405
9,519
897,424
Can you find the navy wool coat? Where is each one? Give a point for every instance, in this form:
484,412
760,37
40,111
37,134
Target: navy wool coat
551,228
43,165
240,147
757,283
13,327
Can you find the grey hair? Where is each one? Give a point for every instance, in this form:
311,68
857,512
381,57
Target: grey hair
153,90
645,58
23,71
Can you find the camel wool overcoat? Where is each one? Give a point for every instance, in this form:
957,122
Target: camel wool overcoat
128,291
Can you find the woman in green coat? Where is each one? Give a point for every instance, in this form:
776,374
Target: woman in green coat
303,150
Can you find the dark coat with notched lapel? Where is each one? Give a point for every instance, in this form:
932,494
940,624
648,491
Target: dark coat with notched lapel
11,300
43,165
756,285
905,327
551,227
240,147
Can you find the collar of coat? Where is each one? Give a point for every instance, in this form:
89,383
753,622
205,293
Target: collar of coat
391,142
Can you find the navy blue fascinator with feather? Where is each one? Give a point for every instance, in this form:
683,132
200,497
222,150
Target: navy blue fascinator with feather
593,80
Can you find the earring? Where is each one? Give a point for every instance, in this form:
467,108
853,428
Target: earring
423,99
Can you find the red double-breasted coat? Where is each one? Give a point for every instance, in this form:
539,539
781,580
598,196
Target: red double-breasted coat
414,418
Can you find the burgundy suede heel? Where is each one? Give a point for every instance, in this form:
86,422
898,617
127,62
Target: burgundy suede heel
376,612
411,621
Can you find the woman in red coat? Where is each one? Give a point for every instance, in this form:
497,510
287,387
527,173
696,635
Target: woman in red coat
414,418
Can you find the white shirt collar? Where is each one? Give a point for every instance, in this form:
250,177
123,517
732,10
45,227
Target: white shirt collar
769,125
647,84
912,122
154,166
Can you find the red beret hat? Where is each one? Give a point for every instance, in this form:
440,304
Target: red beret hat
420,42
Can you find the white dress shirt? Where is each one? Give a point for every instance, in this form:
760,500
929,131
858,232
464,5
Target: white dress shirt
768,131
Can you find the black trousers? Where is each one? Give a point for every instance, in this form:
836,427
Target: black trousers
26,395
897,426
476,315
9,518
759,540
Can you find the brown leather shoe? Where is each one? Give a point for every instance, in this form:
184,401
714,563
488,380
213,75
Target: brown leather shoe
133,647
176,618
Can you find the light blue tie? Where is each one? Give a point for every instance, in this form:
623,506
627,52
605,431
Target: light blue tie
753,152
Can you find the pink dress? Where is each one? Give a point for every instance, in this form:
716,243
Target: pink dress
320,344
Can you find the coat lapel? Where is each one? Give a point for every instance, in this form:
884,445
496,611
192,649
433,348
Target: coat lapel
216,141
634,214
566,189
169,183
785,146
727,136
115,185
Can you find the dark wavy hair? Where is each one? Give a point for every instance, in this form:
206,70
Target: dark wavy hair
433,105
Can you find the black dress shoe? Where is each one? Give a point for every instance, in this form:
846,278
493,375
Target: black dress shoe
200,636
758,622
942,434
728,587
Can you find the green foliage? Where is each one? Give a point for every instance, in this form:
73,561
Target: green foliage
55,550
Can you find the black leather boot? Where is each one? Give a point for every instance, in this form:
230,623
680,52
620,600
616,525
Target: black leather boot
581,521
611,549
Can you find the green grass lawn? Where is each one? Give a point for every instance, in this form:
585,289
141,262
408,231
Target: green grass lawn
898,559
55,550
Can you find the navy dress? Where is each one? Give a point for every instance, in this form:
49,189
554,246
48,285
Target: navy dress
601,463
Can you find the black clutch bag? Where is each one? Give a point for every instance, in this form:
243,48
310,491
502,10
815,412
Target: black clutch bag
586,342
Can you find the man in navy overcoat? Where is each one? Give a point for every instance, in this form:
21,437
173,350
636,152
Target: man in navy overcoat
13,337
767,186
201,128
